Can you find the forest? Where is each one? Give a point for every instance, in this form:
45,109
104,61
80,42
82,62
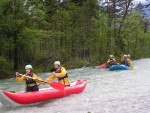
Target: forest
76,32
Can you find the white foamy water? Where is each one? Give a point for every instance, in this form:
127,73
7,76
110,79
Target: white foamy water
106,92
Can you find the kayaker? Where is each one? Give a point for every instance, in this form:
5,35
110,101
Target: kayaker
129,56
122,57
130,61
30,78
60,73
125,60
111,61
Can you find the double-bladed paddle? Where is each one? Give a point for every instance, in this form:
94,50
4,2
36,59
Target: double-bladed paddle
55,85
102,65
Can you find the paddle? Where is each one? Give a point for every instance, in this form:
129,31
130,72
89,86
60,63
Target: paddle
102,65
55,85
131,67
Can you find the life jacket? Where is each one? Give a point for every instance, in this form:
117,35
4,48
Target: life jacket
112,61
30,82
61,78
126,62
121,60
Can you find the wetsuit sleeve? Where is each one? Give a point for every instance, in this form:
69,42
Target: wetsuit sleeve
62,74
108,61
21,79
115,60
50,78
129,61
37,78
56,75
121,60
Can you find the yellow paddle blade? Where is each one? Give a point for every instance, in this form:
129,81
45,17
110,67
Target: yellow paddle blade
131,67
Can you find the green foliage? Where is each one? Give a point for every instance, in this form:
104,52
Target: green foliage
77,63
4,63
76,32
5,67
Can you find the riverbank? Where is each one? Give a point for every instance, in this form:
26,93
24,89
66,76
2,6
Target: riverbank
41,69
4,74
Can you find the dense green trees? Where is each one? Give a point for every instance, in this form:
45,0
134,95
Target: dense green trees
76,32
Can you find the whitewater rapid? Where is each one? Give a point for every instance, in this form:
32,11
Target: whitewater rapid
106,92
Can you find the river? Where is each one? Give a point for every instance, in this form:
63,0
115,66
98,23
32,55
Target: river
106,92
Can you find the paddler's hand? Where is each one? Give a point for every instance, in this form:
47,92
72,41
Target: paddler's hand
17,74
43,82
53,73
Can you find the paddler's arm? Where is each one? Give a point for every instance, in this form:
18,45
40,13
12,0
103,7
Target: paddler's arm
129,61
62,74
50,78
115,60
37,78
121,60
108,61
19,78
56,75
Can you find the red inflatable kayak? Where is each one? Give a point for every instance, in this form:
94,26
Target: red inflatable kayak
31,98
102,66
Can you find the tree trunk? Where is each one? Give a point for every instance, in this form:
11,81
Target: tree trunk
16,55
119,40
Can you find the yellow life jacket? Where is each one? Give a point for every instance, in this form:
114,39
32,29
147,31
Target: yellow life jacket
65,79
61,78
111,61
30,82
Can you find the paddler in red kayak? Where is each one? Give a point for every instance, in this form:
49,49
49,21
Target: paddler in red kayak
60,73
111,61
30,78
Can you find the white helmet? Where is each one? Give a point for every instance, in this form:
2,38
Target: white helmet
124,55
28,66
111,56
129,55
57,63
